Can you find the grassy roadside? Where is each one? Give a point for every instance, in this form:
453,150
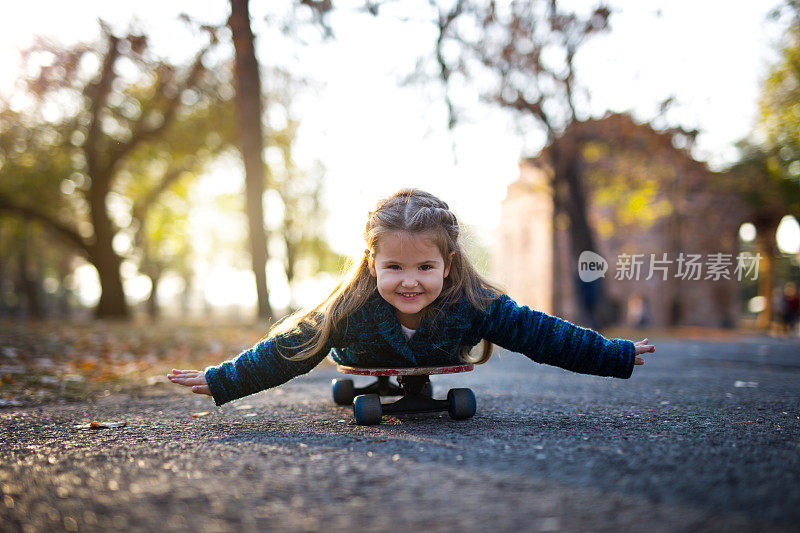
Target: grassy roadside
42,362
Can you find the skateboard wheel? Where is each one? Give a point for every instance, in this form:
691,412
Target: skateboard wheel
343,391
461,403
367,409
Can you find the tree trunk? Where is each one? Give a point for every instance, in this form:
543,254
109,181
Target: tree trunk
28,283
112,296
675,230
186,294
767,247
64,294
251,145
565,153
4,307
152,300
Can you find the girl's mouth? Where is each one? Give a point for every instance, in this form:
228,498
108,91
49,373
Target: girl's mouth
409,295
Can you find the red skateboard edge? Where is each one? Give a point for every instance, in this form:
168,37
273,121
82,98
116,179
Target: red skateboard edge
413,371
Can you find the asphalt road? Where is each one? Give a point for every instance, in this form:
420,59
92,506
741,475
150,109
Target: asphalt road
705,436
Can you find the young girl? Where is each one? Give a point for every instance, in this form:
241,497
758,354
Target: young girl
413,299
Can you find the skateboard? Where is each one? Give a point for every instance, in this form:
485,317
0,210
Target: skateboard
414,387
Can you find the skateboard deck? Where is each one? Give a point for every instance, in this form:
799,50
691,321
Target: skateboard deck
411,371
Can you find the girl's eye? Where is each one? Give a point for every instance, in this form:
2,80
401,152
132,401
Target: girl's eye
393,267
426,267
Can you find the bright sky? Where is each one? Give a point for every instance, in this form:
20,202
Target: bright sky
375,137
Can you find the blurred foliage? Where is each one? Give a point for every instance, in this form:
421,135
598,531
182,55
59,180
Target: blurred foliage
159,184
628,183
35,272
767,176
302,223
103,130
759,180
778,160
520,55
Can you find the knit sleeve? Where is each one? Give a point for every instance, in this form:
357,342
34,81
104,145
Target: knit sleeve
262,366
554,341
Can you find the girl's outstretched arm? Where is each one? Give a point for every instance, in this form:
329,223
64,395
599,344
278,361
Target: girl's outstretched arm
196,379
263,366
551,340
642,347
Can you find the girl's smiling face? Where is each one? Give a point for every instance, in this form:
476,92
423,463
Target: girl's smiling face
410,272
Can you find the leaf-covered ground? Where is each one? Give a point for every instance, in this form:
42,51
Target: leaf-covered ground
41,362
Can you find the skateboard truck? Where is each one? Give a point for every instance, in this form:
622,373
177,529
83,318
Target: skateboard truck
414,387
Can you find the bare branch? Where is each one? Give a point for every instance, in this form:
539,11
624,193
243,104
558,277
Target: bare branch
97,92
444,23
51,223
534,108
142,131
172,174
320,9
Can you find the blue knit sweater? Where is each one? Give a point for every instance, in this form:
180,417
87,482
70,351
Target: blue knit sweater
372,337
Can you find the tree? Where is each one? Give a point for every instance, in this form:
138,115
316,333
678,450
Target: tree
162,174
779,122
87,143
758,179
527,51
767,176
302,229
251,144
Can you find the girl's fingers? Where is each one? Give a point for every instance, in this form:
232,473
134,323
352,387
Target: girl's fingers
185,374
643,347
194,380
638,361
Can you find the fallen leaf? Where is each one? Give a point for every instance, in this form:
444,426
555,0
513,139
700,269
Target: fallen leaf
198,415
100,425
156,380
10,402
746,422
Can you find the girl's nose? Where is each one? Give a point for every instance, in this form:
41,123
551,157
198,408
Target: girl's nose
410,282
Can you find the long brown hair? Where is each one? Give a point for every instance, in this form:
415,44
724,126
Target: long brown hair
408,211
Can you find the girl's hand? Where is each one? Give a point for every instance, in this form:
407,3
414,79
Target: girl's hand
196,379
642,347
